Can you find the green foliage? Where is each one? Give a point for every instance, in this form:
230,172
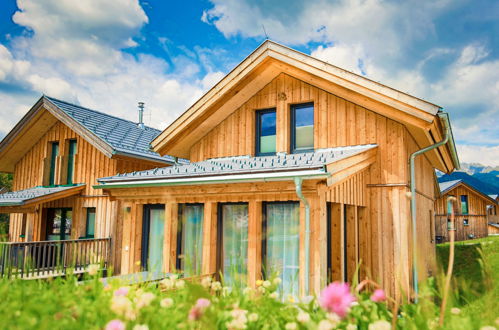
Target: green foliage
5,184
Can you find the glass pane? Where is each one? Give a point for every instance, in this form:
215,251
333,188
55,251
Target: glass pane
71,159
267,134
304,127
68,223
54,224
53,157
464,204
90,222
156,240
191,217
235,244
282,245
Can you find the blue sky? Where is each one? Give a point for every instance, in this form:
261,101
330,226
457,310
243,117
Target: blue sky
109,55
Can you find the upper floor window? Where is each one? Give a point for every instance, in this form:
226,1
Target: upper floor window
464,204
265,132
71,160
302,128
90,223
53,158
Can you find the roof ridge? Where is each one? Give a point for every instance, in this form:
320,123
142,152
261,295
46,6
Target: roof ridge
50,98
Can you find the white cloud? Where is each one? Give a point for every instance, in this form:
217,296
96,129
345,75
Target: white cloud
479,154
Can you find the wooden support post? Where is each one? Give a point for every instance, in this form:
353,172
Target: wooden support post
321,240
127,224
337,243
170,248
351,242
254,242
210,238
364,244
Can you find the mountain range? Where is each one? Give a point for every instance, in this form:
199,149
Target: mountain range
483,178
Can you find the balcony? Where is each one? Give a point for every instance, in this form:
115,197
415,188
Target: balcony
43,259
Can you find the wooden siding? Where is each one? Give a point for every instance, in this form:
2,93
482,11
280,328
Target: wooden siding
477,215
493,230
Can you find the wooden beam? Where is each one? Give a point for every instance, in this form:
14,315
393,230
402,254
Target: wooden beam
254,242
209,261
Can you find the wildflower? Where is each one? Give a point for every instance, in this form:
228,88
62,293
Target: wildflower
239,319
336,297
291,299
266,284
226,290
203,303
206,282
131,315
259,282
166,303
216,286
277,281
93,269
380,325
120,305
455,310
179,284
141,327
351,326
378,295
144,299
303,317
291,326
488,327
261,289
115,325
123,291
274,295
253,317
334,319
166,284
325,325
174,277
198,309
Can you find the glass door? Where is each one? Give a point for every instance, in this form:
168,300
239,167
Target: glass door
233,243
190,239
281,245
58,224
153,237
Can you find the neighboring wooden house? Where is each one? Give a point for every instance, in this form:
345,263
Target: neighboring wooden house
470,211
56,153
493,216
285,138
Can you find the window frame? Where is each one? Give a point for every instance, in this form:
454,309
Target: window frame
466,222
292,127
146,227
72,150
53,160
467,204
258,126
178,260
87,219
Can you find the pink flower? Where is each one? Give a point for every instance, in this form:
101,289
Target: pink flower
115,325
198,309
378,295
123,291
336,298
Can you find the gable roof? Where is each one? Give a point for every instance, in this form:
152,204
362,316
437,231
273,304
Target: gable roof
110,134
447,186
38,194
269,60
244,168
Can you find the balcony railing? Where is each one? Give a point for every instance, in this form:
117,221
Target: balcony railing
30,260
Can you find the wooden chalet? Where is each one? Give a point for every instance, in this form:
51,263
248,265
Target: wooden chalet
298,168
493,216
56,153
471,220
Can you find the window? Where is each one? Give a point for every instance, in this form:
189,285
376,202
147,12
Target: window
190,239
71,160
280,248
265,132
53,157
302,128
464,204
90,226
58,224
233,243
449,206
153,238
465,222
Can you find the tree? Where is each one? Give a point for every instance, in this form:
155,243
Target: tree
5,185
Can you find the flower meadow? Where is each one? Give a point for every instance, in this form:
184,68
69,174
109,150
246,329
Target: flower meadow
174,303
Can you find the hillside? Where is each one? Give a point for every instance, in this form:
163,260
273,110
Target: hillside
483,178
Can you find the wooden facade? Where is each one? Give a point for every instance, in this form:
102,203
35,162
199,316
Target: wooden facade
468,225
366,208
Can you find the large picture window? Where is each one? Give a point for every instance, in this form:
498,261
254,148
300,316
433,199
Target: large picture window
233,243
302,128
464,204
190,239
281,244
265,132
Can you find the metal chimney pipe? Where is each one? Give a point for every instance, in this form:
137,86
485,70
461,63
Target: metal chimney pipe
141,116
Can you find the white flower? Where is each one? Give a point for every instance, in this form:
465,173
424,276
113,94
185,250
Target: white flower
253,317
267,284
277,281
166,303
325,325
239,319
303,317
206,282
141,327
261,289
130,315
290,326
93,269
179,284
144,299
334,319
216,286
173,277
455,310
380,325
274,295
120,305
166,283
351,327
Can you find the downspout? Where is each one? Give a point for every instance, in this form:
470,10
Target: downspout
299,193
412,167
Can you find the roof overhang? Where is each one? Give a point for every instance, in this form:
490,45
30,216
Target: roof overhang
462,183
26,204
272,59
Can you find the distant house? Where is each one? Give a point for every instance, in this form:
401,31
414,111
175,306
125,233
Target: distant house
298,168
470,211
56,153
493,216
